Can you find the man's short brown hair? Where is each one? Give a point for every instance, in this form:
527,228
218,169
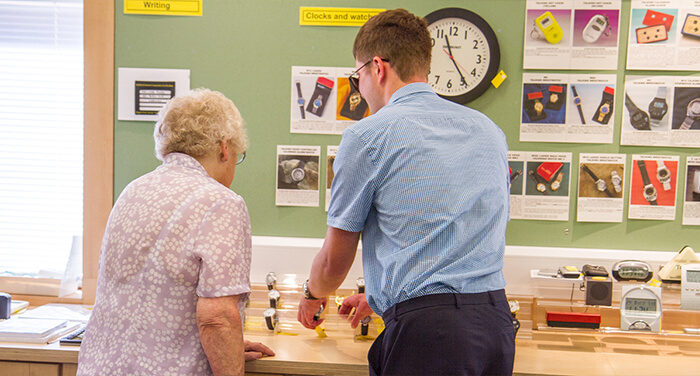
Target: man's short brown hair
398,36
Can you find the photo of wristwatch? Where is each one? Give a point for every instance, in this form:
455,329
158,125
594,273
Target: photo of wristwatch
658,107
692,114
540,186
300,100
577,102
616,181
638,118
663,175
649,191
601,185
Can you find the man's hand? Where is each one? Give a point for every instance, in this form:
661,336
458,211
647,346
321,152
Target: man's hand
307,310
361,309
256,350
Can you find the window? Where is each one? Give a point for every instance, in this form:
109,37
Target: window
41,133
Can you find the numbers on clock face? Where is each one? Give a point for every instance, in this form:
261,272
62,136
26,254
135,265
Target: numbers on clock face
460,56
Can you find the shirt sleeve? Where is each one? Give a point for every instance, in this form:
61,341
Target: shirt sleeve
353,188
224,247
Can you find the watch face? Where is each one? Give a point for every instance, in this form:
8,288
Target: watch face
465,54
577,100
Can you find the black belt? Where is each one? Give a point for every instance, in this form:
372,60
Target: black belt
433,300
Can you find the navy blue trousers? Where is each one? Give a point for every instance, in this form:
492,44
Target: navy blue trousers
446,334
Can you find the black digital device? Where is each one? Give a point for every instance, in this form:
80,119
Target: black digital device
638,118
658,107
594,270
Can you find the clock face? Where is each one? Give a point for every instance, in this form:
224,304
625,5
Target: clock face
465,55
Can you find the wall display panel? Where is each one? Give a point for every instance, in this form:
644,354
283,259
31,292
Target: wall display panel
247,50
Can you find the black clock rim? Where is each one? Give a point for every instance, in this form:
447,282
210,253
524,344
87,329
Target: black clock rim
491,39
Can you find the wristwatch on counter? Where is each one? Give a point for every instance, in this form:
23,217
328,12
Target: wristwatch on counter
271,318
300,100
663,175
638,118
305,291
601,185
649,190
274,296
692,114
577,102
514,306
658,107
616,181
360,285
271,280
540,185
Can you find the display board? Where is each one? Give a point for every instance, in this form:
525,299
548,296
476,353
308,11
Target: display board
246,49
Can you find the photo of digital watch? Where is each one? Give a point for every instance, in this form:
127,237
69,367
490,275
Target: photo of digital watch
691,26
649,191
300,99
638,118
556,98
600,184
577,102
604,111
692,114
663,175
547,26
658,107
596,27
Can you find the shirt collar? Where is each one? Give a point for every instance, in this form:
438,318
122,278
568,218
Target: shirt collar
410,89
184,160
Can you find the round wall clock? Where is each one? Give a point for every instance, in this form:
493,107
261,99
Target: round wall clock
466,55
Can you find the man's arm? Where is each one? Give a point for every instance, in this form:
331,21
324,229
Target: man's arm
221,334
328,271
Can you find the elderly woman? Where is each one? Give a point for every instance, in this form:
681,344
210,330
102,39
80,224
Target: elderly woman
175,259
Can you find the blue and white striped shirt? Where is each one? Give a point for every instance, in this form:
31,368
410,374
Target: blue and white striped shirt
426,180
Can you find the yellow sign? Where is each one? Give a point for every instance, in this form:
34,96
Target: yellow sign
164,7
336,16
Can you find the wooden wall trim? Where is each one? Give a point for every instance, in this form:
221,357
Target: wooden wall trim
99,134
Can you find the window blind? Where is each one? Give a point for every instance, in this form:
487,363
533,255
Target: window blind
41,133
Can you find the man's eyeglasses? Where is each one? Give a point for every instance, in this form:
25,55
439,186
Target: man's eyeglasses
354,77
240,158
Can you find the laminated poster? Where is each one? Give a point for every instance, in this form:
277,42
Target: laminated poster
653,187
601,187
539,185
297,175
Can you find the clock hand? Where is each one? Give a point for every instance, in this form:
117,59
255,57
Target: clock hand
449,53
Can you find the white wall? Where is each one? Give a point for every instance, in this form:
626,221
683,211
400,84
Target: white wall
291,258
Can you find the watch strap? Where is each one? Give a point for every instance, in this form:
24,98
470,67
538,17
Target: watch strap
306,292
643,170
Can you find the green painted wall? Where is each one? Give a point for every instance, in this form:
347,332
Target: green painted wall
246,49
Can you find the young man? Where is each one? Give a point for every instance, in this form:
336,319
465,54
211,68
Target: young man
425,181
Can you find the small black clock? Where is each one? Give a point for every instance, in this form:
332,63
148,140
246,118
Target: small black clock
466,55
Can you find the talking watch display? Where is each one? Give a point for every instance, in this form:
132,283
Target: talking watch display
616,181
577,102
649,191
658,107
663,175
300,100
692,115
601,185
638,118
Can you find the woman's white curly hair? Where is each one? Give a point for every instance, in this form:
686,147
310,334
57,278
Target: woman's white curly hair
194,124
